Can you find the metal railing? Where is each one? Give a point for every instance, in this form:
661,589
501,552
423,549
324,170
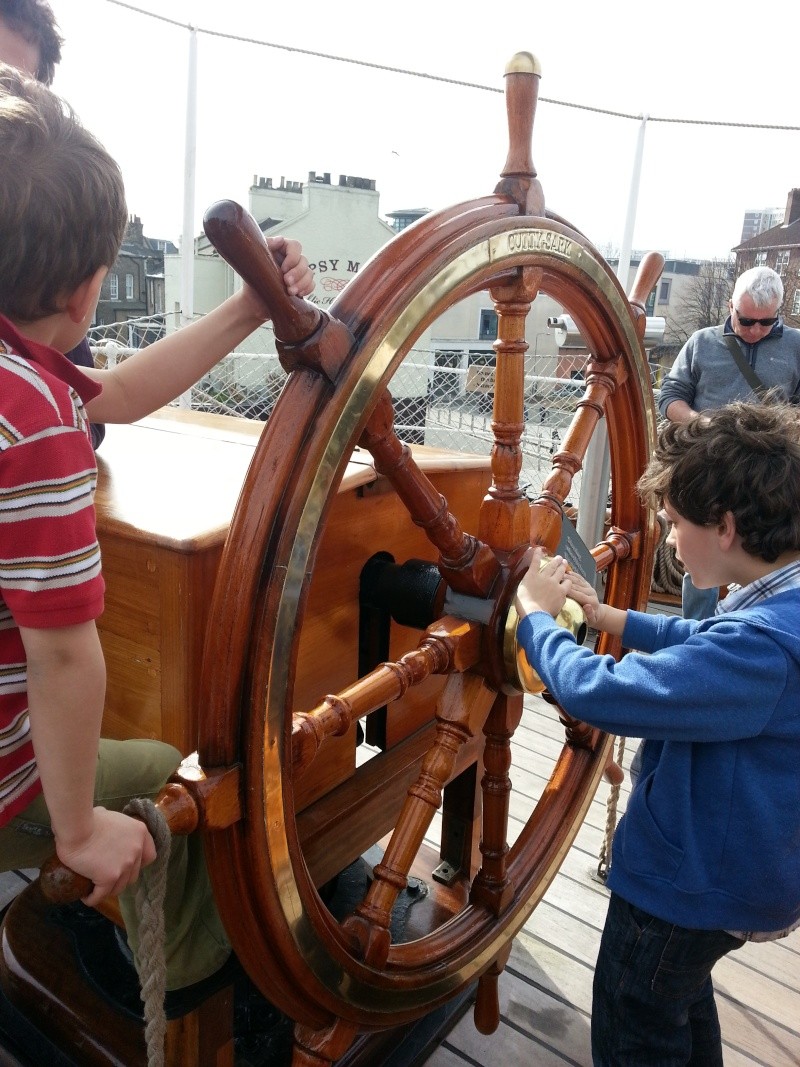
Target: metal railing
445,407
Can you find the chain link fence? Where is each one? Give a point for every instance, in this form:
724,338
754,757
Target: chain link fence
436,404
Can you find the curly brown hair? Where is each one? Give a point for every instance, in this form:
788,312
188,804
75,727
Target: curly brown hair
62,200
742,458
34,20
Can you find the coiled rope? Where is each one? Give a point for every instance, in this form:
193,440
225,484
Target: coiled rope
667,571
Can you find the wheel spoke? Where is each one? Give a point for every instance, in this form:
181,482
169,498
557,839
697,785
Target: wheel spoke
465,563
448,645
460,712
505,513
492,886
547,509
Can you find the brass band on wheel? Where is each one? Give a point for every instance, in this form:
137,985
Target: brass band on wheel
518,243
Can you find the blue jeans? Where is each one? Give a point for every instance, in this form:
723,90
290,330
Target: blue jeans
697,603
653,999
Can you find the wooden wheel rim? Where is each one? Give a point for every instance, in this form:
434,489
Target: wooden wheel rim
280,929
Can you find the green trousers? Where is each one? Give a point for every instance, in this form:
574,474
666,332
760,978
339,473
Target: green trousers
196,945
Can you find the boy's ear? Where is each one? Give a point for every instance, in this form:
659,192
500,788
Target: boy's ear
726,529
83,300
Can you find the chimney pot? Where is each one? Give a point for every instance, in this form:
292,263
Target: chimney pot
792,207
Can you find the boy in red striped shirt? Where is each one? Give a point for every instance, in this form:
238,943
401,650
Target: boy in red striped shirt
62,218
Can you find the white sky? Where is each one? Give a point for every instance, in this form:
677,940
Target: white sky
429,144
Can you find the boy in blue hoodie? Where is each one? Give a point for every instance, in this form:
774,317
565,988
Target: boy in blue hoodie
707,855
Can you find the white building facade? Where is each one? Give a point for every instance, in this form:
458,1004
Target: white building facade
338,224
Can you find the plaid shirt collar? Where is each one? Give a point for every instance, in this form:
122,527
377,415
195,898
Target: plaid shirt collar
746,596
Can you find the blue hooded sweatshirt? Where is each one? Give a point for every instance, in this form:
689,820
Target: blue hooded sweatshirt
711,836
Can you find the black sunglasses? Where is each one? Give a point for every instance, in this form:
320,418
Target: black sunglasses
745,321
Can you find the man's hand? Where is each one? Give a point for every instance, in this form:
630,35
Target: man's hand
112,856
680,411
544,588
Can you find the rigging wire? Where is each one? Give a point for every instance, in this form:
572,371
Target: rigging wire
437,77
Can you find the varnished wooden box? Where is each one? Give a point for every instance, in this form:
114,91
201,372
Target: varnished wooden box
167,489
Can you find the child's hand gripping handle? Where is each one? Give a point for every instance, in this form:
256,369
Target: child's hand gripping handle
238,238
180,808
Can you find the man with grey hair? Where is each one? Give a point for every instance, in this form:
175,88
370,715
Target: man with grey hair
707,373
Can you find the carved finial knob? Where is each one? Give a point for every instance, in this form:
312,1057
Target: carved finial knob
524,63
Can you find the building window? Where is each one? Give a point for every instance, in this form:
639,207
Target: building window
664,287
487,330
761,259
782,261
113,287
129,287
796,302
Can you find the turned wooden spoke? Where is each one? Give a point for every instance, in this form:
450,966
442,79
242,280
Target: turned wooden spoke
518,176
505,513
240,241
601,382
305,336
617,544
578,734
317,1048
492,886
465,563
487,999
449,645
603,377
645,281
459,712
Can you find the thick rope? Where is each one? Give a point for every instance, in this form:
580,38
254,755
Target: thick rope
149,902
611,820
667,571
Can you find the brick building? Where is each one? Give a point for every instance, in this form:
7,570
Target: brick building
779,248
134,286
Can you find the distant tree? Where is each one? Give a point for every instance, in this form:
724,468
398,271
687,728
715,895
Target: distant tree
705,299
609,251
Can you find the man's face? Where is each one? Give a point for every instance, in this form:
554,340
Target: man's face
18,52
745,307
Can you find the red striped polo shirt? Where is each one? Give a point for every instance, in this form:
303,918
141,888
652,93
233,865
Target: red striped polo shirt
49,557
